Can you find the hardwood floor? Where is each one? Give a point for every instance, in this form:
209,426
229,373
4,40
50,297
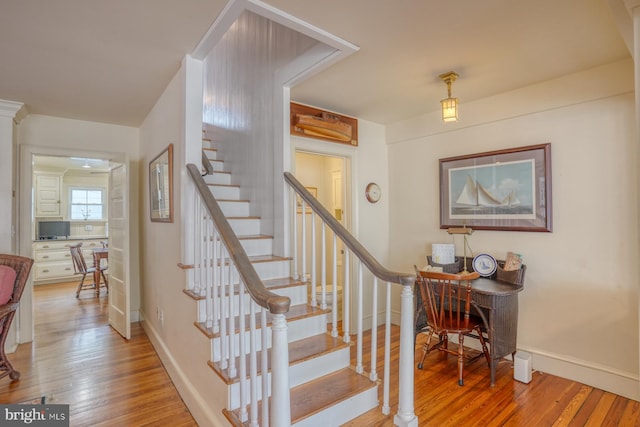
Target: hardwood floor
546,401
77,359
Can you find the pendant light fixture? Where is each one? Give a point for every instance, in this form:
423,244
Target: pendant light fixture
449,104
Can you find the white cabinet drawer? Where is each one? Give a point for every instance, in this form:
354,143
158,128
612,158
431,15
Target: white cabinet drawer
45,256
53,270
51,244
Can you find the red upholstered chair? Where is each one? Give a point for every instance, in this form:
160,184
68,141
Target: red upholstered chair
446,300
14,271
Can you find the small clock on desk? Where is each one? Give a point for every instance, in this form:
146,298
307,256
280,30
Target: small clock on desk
372,192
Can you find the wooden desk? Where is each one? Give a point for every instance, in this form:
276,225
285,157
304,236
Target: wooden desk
99,254
497,303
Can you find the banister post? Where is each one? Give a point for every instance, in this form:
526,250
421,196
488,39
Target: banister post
280,415
405,416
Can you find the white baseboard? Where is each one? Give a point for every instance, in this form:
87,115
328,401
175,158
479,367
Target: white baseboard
200,409
603,377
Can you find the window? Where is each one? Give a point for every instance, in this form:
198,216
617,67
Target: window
87,204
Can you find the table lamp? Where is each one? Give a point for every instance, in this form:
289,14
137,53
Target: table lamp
465,231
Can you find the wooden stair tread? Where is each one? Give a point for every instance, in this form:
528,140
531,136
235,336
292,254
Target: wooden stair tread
223,185
283,282
254,236
299,351
312,397
300,311
267,258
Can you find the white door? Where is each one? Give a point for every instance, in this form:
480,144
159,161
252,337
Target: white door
119,284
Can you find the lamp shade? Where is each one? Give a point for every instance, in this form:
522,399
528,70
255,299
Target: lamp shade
449,109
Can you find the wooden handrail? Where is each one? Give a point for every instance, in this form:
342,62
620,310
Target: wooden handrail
206,164
276,304
354,245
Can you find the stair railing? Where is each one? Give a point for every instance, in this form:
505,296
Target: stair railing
303,202
221,270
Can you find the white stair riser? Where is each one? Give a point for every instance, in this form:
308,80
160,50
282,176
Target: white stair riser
245,226
300,373
254,247
218,165
272,269
234,208
297,295
266,270
218,178
343,411
225,192
211,154
298,329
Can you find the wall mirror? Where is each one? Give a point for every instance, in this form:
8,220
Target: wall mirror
161,186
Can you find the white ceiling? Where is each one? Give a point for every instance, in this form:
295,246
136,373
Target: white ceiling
109,61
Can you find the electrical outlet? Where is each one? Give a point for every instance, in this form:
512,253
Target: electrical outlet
161,317
88,227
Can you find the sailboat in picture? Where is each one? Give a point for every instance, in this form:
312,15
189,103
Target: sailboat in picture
474,194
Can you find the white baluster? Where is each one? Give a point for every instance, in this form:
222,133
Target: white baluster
323,299
359,367
304,241
224,353
314,301
386,409
373,375
334,303
296,258
253,367
265,369
243,355
346,310
232,323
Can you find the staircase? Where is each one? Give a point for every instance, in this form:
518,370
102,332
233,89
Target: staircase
324,389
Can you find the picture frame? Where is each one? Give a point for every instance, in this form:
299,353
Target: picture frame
161,186
506,190
314,193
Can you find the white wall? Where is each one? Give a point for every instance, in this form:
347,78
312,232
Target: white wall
183,349
579,309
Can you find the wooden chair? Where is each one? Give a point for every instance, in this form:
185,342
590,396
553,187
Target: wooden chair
80,267
446,300
22,267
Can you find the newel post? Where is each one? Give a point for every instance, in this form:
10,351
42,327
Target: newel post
281,405
405,417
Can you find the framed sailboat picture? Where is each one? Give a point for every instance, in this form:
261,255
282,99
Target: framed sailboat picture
498,190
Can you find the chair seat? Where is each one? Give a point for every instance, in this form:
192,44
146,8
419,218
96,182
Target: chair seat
453,327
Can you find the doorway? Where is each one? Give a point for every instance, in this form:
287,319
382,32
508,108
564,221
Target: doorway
325,175
69,188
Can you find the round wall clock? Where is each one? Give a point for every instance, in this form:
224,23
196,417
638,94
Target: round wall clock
372,192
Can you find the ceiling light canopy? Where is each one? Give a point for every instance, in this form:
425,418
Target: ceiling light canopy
449,105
